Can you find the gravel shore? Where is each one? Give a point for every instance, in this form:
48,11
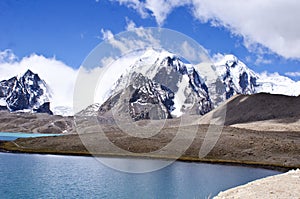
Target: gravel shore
286,185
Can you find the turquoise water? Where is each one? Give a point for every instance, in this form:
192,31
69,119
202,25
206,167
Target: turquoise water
7,136
50,176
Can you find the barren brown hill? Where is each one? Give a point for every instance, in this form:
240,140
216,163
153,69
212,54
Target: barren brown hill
257,107
35,123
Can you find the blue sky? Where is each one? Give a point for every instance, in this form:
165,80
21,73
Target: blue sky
264,39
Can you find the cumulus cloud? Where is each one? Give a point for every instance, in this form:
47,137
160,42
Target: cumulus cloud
59,76
271,23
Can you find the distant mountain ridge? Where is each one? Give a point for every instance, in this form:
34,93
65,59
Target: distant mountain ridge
25,93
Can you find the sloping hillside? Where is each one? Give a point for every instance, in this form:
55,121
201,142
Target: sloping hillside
257,107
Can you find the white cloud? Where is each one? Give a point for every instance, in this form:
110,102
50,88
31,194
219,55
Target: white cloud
159,9
135,4
293,74
162,8
130,25
107,61
7,56
271,23
59,76
193,54
85,86
261,60
188,51
106,34
136,38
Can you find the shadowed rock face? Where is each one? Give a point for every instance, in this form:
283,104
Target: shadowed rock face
143,99
26,92
149,100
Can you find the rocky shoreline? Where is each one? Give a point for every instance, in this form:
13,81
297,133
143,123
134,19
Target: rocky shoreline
286,185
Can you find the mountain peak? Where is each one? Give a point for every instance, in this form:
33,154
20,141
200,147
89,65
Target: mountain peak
28,73
27,92
161,79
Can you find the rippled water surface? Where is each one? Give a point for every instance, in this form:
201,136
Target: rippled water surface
50,176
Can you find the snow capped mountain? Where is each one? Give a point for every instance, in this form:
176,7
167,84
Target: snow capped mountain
226,77
158,85
25,93
152,84
234,77
277,84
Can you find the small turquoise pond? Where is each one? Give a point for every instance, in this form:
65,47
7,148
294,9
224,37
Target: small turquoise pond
7,136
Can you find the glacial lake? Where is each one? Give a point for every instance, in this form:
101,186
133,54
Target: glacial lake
52,176
8,136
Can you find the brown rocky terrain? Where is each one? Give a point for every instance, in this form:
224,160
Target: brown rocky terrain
233,146
35,123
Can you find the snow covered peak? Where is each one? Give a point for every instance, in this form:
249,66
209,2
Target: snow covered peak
165,81
158,57
26,93
151,54
29,73
228,59
236,76
230,63
277,84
